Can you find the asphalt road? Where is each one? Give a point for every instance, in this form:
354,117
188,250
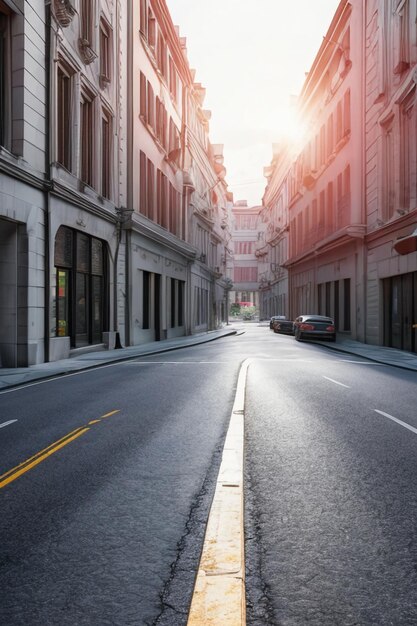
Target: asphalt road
104,523
94,533
331,489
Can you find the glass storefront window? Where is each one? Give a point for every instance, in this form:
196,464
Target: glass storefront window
62,303
80,293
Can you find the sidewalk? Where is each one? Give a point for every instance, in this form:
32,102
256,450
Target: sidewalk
379,354
14,377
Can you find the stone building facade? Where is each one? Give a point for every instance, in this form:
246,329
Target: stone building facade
245,226
314,197
107,176
351,189
391,173
23,182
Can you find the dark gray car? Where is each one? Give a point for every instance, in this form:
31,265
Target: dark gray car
314,327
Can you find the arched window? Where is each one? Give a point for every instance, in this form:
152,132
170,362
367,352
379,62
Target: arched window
81,287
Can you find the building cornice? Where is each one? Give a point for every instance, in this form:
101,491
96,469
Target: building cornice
392,228
20,172
345,236
149,229
83,202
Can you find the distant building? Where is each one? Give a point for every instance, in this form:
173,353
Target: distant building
245,264
273,236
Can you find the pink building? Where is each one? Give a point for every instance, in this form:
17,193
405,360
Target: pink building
245,264
317,194
391,173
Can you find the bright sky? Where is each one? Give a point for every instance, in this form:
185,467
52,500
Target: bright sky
251,57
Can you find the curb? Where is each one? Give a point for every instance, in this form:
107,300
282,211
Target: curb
219,592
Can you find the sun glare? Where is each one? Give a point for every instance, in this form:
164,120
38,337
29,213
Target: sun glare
290,127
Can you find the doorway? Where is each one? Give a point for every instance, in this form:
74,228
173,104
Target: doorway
400,311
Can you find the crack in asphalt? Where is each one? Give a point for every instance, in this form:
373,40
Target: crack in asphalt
258,604
178,589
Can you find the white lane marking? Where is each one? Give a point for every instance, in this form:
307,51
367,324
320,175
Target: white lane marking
175,362
7,423
86,370
336,382
395,419
360,362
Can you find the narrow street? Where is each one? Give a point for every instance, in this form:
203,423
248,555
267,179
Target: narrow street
103,522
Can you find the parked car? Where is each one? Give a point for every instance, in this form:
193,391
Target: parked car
314,327
273,318
282,325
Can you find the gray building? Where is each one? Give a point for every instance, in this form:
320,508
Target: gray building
23,184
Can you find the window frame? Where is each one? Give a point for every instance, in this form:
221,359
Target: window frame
87,144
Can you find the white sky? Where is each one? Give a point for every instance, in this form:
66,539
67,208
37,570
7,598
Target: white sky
251,57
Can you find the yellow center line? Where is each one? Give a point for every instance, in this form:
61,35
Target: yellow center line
15,472
37,458
111,413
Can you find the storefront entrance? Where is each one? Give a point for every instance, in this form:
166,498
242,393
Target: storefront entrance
81,287
400,312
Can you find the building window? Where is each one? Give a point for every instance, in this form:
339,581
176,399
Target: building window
162,203
161,123
150,190
330,207
246,274
388,172
106,154
81,287
142,183
161,55
144,18
339,122
402,60
87,31
147,187
330,146
105,53
151,31
408,153
176,302
181,291
146,296
150,107
86,21
87,138
172,213
5,76
328,291
64,116
322,208
173,80
143,97
174,151
322,145
346,113
346,304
